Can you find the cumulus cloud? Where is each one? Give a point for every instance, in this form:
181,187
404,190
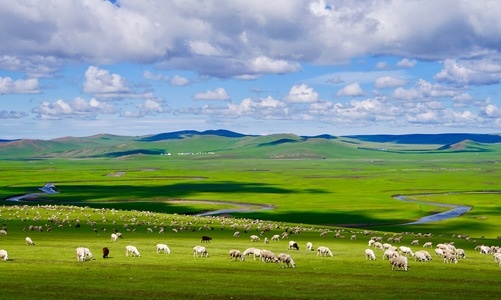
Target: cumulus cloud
179,81
20,86
148,108
217,94
388,82
100,81
176,32
301,93
77,108
406,63
4,114
351,90
470,72
425,89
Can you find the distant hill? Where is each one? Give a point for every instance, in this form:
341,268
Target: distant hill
224,143
427,139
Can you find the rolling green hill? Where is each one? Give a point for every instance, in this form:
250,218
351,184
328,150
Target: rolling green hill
227,144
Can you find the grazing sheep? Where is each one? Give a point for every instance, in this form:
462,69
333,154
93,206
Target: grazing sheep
353,237
29,241
236,234
415,243
439,252
422,256
114,237
266,240
4,255
293,245
428,245
276,237
163,247
497,258
399,262
200,250
132,251
250,251
406,250
389,253
485,249
84,253
3,232
236,254
268,256
369,254
460,254
206,239
450,258
106,252
324,251
309,246
254,238
286,259
378,245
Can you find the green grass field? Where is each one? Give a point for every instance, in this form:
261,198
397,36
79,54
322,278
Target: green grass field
350,193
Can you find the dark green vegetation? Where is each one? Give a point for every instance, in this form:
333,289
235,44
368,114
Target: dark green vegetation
314,182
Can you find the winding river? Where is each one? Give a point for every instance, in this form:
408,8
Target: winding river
455,211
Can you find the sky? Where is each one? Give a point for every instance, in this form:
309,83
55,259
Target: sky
340,67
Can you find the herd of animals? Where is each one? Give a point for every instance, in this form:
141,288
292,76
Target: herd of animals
398,257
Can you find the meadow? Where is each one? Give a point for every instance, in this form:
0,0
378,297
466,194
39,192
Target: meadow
346,194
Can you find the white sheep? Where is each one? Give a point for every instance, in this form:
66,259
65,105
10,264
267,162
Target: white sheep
422,256
236,254
450,258
236,234
389,253
114,237
250,251
293,245
4,255
163,247
268,256
276,237
497,258
324,251
84,253
309,246
286,259
439,252
3,232
406,251
200,250
266,240
254,238
428,245
29,241
415,243
485,249
460,254
399,262
132,251
369,254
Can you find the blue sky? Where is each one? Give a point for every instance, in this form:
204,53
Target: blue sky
126,67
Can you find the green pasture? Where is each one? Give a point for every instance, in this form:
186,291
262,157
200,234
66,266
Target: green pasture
349,191
50,270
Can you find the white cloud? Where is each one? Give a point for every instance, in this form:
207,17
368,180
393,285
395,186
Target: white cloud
406,63
470,72
77,108
203,48
263,64
301,93
4,114
351,90
100,81
388,82
336,79
179,81
217,94
20,86
154,76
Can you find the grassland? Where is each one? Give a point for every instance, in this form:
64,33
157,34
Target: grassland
346,187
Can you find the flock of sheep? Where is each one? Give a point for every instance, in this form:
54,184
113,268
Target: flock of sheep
398,257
